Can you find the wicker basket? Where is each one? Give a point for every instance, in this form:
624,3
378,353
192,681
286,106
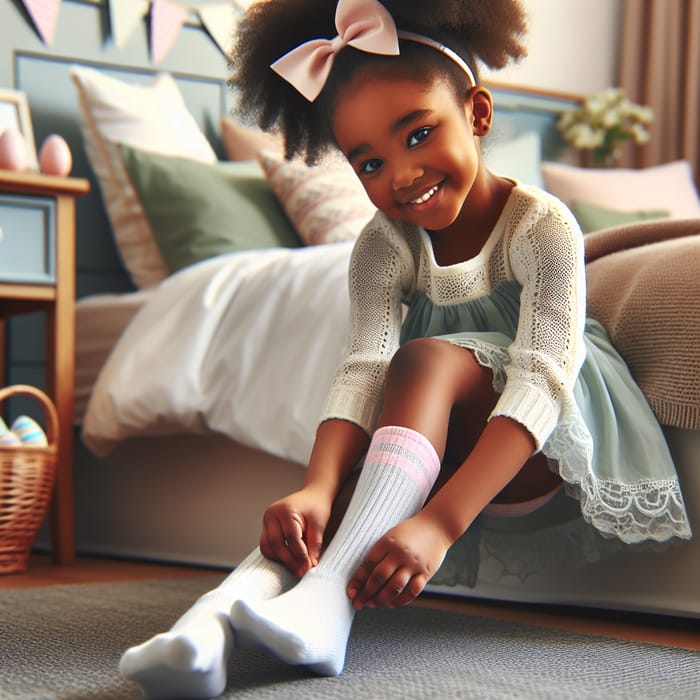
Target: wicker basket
26,482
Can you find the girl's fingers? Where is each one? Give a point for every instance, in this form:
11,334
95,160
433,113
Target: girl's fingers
314,542
369,578
394,587
411,591
375,585
277,544
294,539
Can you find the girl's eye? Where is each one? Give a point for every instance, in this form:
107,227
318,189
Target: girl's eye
418,136
370,166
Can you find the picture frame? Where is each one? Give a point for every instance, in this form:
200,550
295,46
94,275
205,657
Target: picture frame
14,112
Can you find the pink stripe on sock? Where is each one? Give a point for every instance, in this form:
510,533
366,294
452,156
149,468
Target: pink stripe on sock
409,451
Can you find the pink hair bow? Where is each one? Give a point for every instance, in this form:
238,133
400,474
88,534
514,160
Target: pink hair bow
362,24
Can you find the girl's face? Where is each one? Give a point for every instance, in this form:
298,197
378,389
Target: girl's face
412,145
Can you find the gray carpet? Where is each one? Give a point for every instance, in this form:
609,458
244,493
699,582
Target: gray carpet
64,642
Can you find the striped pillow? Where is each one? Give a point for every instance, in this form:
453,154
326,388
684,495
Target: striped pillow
325,203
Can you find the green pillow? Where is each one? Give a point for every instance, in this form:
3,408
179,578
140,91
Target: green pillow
591,217
198,210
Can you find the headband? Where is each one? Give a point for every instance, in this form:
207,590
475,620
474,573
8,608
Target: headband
363,24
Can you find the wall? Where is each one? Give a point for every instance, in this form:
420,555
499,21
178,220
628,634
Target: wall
572,46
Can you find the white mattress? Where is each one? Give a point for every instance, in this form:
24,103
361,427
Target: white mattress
99,321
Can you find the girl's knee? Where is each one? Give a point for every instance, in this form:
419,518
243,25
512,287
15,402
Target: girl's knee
433,356
440,364
417,355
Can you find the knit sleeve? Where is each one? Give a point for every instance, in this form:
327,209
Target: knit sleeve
546,258
381,274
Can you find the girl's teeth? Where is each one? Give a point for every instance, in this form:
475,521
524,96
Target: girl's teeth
426,196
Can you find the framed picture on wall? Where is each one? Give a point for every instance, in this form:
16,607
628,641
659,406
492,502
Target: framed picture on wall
14,112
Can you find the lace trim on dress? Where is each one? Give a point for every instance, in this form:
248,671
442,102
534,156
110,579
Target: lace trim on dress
634,512
487,355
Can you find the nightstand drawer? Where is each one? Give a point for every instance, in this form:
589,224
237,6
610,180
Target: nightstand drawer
27,239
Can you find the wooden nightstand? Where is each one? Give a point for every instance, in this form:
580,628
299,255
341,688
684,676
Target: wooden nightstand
37,273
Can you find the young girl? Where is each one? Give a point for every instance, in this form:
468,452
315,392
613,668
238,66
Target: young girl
492,392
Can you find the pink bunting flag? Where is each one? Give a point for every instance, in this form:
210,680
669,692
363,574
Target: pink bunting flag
166,22
44,14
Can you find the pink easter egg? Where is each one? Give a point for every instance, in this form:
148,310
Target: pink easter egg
55,157
13,150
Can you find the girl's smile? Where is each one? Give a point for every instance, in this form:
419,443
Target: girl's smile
428,195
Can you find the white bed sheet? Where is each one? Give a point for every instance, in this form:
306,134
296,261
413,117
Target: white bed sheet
244,344
99,321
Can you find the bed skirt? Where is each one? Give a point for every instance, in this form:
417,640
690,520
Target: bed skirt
199,500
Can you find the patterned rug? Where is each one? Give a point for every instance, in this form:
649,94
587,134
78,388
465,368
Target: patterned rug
64,643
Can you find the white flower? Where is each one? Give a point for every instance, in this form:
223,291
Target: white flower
610,118
583,136
603,119
639,133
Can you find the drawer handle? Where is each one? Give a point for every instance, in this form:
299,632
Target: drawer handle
1,234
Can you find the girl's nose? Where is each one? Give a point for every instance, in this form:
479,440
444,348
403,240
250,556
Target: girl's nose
405,175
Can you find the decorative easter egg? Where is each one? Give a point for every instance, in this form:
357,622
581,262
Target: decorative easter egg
9,439
29,432
55,157
13,150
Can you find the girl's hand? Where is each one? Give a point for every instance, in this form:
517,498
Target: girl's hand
293,529
399,565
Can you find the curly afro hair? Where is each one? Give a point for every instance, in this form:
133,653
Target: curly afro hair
486,31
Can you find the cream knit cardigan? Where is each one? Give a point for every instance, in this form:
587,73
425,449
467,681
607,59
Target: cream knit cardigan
536,243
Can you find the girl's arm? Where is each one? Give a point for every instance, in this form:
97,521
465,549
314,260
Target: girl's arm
293,527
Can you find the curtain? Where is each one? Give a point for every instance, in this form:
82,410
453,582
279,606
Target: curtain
660,67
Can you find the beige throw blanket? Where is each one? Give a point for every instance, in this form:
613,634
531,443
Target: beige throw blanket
644,287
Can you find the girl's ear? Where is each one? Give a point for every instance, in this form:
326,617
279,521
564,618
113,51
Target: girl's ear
479,106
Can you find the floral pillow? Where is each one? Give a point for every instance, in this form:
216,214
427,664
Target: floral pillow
326,203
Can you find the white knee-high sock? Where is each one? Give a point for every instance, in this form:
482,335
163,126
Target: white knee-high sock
189,661
310,624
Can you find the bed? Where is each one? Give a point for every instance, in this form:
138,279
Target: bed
197,389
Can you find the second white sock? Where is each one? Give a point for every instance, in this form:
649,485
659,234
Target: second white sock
189,661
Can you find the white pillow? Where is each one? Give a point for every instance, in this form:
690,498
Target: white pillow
150,117
669,187
326,203
519,158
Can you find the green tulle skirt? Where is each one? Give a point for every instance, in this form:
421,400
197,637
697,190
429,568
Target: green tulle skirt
608,446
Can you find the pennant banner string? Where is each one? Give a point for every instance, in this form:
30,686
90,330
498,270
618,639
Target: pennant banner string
218,18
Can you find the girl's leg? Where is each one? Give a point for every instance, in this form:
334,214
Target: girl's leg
189,661
440,390
310,624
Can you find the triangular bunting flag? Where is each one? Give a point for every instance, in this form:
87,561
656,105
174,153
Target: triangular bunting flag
166,22
44,14
219,19
243,4
124,17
